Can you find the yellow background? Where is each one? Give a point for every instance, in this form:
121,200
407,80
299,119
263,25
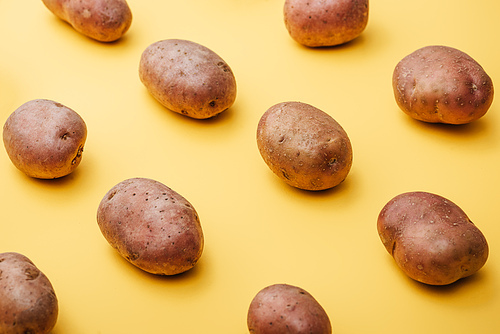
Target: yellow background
258,231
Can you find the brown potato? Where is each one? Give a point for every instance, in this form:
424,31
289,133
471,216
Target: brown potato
304,146
440,84
283,308
102,20
325,23
431,239
151,226
28,303
187,78
45,139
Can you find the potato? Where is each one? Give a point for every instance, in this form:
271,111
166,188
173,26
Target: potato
28,303
284,308
440,84
45,139
304,146
325,23
187,78
102,20
431,239
151,226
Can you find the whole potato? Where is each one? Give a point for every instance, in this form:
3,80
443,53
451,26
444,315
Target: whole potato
284,308
151,226
440,84
431,239
187,78
28,303
304,146
102,20
317,23
45,139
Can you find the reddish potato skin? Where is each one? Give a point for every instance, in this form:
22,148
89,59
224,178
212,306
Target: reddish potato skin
304,146
325,23
187,78
102,20
28,303
151,226
286,309
440,84
431,239
45,139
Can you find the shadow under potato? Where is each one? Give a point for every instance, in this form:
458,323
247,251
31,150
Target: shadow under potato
191,274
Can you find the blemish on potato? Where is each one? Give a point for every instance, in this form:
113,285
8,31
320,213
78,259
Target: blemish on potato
31,273
133,256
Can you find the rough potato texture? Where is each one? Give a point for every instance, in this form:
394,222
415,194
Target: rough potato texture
431,239
304,146
317,23
187,78
102,20
45,139
286,309
28,303
440,84
151,226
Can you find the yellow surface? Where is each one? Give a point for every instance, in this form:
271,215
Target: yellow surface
258,231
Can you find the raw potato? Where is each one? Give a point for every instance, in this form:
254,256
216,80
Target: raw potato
440,84
102,20
317,23
431,239
304,146
187,78
45,139
28,303
151,226
283,308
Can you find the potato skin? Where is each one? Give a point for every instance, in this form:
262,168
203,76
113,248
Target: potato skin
102,20
151,226
45,139
304,146
431,239
440,84
28,303
327,22
284,308
187,78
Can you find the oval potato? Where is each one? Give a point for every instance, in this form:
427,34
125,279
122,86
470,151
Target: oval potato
45,139
440,84
28,303
151,226
326,22
187,78
284,308
431,239
304,146
102,20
